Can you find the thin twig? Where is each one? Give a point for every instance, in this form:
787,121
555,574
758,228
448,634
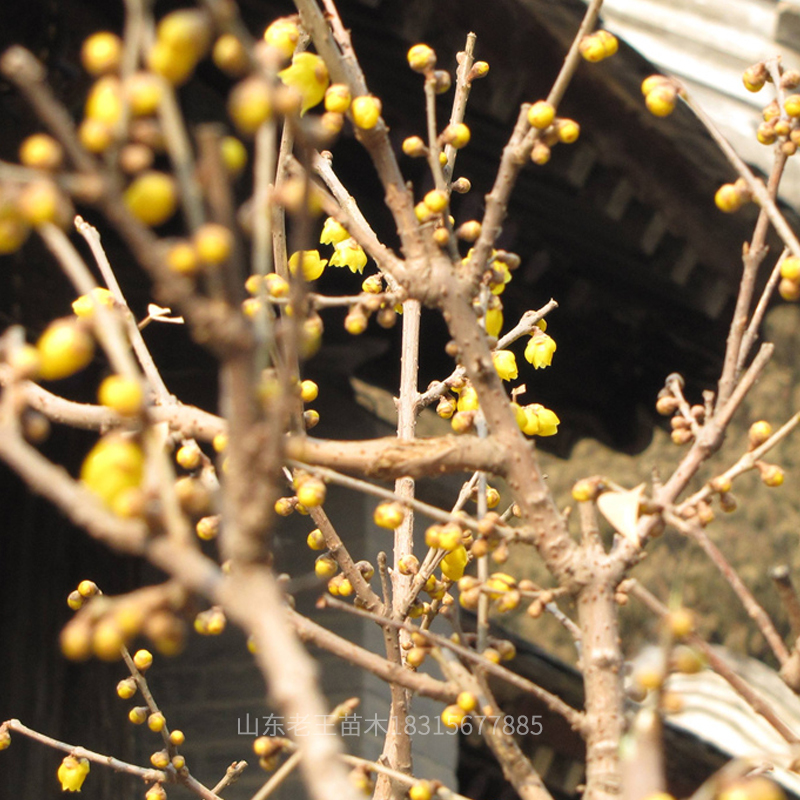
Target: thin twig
738,684
553,702
92,237
232,774
782,579
145,773
279,776
754,610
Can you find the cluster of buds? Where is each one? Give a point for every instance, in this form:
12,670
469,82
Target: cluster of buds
683,425
789,286
760,432
453,716
104,626
779,123
210,622
598,46
340,586
551,130
416,649
660,95
501,588
310,491
269,750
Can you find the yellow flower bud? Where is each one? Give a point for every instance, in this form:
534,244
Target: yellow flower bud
754,78
436,200
337,98
104,101
366,111
568,130
468,399
661,100
311,492
457,135
250,104
681,622
84,306
325,566
213,243
126,688
230,56
41,151
421,58
101,52
143,660
389,515
792,105
114,465
414,147
122,394
771,474
156,722
728,198
207,528
453,716
758,433
283,34
315,540
160,759
790,268
64,349
152,197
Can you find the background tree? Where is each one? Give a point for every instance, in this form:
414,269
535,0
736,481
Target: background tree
242,281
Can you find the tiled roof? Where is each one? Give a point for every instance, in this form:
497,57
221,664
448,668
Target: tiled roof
708,44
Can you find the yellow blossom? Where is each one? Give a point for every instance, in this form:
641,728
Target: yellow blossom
333,232
313,265
540,421
454,562
468,399
506,364
84,305
349,254
501,268
494,321
309,76
72,773
539,350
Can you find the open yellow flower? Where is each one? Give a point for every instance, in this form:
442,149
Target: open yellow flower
539,350
494,321
309,76
85,304
312,267
468,399
505,363
454,563
540,421
504,273
349,254
72,773
333,232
